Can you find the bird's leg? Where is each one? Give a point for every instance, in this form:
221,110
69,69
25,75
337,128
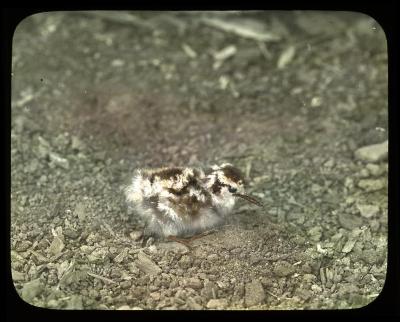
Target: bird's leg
203,234
186,241
180,240
148,237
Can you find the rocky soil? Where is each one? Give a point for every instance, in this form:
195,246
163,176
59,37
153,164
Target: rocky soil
297,100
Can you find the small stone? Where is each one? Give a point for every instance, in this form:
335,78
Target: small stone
316,101
254,293
98,255
372,153
145,264
370,185
124,307
209,291
77,144
364,173
315,233
374,169
194,283
192,304
117,63
315,189
174,247
185,261
347,248
43,148
59,161
17,276
125,284
283,268
330,163
136,235
71,233
121,256
80,211
75,303
31,289
155,296
316,288
56,246
303,293
53,303
349,221
368,211
371,257
23,246
212,257
349,183
217,304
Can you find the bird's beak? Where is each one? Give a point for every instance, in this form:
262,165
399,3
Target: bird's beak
249,199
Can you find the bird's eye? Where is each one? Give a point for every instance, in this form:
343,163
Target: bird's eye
232,190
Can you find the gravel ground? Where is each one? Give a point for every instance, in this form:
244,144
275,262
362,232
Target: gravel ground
297,100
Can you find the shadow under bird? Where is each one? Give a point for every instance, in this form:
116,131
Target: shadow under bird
181,202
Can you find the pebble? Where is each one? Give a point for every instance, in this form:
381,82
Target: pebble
17,276
372,153
374,169
121,256
174,247
127,307
254,293
316,288
125,284
349,221
80,211
56,246
371,257
370,185
193,283
71,233
315,233
193,304
31,289
212,257
347,248
210,290
217,304
185,262
59,161
124,307
75,303
283,268
145,264
77,144
23,246
136,235
368,211
155,296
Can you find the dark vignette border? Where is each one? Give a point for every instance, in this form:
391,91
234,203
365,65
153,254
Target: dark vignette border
386,304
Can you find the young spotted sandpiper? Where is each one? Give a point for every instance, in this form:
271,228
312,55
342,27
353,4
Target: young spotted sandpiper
179,202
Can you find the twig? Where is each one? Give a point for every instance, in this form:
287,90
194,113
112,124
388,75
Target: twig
270,293
240,29
105,279
121,17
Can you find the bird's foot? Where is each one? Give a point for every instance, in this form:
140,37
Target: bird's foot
187,241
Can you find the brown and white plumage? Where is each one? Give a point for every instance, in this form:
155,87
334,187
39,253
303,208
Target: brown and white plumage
180,201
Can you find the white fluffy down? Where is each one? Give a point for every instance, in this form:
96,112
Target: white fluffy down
140,190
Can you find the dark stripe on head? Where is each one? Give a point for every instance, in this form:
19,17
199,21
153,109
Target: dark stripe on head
168,173
233,173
